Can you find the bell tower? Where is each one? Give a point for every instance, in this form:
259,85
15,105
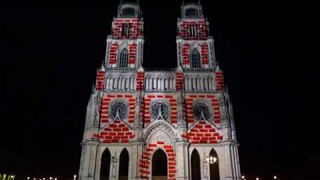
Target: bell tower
113,129
213,149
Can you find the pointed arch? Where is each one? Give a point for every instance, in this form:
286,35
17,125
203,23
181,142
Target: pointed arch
195,165
124,56
195,58
159,164
105,165
126,30
214,168
124,165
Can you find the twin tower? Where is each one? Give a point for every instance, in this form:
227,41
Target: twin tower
173,124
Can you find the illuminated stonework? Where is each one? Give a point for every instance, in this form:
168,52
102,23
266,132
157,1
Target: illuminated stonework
148,124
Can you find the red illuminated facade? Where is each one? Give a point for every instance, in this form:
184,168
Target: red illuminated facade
146,124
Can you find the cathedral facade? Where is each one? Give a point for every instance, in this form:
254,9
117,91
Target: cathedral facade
147,124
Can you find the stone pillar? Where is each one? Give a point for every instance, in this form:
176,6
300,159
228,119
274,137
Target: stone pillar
237,162
88,159
228,163
182,154
136,154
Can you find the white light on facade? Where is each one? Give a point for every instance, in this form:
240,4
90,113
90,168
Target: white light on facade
274,177
242,177
211,160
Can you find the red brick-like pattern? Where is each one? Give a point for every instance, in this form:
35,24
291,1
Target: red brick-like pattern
135,31
100,80
172,103
204,53
104,116
140,81
179,80
146,161
215,105
186,54
219,80
116,132
113,53
132,53
201,26
203,132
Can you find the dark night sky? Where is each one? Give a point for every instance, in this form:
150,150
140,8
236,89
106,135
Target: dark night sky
49,54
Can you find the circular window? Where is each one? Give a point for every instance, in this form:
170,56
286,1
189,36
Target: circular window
119,109
201,110
159,110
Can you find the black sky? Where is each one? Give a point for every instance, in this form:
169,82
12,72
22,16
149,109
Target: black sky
49,53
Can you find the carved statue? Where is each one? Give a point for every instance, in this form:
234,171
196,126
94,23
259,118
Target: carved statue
114,164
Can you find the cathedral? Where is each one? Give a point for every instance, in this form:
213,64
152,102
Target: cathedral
150,124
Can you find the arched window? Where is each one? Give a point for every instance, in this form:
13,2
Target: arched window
195,59
159,110
195,165
118,109
124,165
105,165
192,12
126,30
123,62
214,168
201,110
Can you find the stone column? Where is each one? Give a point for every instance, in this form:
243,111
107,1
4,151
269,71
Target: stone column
88,159
182,163
135,156
228,163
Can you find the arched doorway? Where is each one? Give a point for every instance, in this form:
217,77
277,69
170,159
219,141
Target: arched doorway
124,165
159,165
214,168
195,165
105,165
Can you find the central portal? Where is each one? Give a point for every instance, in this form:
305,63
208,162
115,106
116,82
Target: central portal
159,165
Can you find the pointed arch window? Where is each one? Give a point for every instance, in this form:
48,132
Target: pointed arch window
195,59
126,30
214,168
124,56
195,165
124,165
105,165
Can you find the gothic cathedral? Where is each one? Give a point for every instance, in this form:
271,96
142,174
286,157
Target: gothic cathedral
147,124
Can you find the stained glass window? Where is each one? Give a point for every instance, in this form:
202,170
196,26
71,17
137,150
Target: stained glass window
119,108
123,62
201,110
195,59
159,110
